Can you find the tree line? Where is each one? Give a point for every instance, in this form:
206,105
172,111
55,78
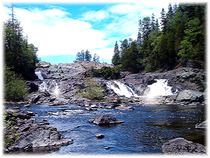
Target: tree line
179,40
20,60
86,56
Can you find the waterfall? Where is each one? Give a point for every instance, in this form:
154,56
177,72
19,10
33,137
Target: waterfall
53,87
121,89
39,75
56,90
159,88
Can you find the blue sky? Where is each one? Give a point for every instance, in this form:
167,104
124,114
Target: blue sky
60,30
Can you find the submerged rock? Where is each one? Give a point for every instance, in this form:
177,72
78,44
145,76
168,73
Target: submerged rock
99,136
182,146
105,119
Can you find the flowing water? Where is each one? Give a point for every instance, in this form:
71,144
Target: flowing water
144,130
121,89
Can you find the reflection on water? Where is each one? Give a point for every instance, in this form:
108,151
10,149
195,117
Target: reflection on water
144,130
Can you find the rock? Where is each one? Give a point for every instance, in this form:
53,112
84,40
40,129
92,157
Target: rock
32,87
190,95
35,99
30,136
105,119
122,107
99,136
107,147
201,125
182,146
43,64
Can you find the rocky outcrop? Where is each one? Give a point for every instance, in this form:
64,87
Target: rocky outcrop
23,134
180,79
70,80
182,146
104,120
190,95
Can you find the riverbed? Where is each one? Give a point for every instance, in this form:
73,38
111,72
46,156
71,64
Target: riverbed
144,130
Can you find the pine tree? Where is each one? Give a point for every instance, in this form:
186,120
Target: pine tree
153,22
163,20
96,58
20,56
139,36
88,56
116,56
80,56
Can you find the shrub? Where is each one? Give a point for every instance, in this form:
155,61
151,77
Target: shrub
15,87
107,72
92,91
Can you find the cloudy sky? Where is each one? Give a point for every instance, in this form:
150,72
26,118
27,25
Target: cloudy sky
60,30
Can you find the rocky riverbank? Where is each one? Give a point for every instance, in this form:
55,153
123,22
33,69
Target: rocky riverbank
23,134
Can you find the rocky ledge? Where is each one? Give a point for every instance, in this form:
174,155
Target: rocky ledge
64,83
24,134
182,146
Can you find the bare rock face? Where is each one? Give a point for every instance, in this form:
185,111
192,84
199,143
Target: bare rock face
105,119
182,146
189,95
23,134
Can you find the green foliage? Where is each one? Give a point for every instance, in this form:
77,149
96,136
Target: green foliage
96,58
92,91
116,58
107,72
131,60
181,38
20,56
15,87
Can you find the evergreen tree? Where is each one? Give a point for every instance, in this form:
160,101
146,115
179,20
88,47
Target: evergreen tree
88,56
139,36
163,19
153,22
20,56
96,58
116,56
146,27
131,60
80,56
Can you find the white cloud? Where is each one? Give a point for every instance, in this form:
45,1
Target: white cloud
54,33
95,15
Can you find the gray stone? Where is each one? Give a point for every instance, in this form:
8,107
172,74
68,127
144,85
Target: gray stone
182,146
190,95
201,125
99,136
105,119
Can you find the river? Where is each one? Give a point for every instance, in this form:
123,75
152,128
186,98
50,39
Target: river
144,130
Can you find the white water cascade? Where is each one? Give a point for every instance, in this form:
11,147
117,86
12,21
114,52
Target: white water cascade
121,89
43,87
159,88
56,91
39,75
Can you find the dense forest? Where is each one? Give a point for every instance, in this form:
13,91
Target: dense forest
20,60
177,40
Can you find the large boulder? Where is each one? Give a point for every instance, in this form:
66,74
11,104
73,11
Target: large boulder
190,95
105,119
182,146
201,125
